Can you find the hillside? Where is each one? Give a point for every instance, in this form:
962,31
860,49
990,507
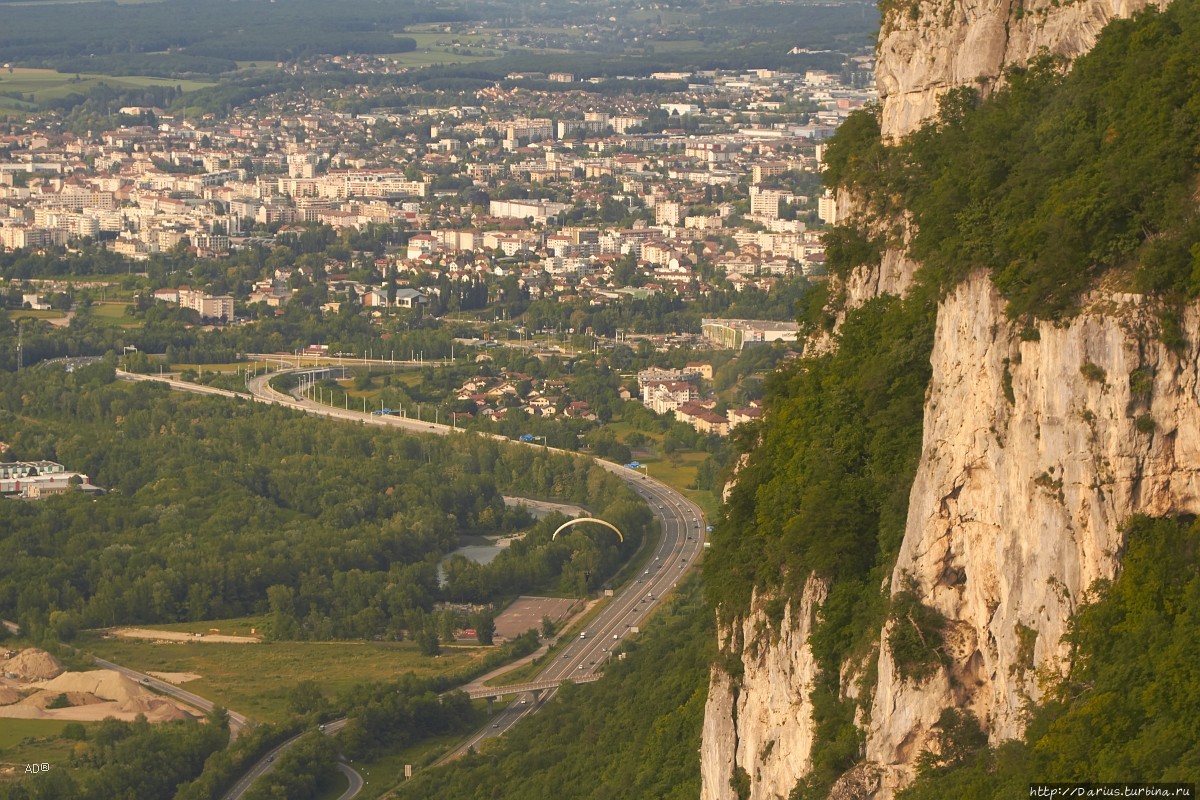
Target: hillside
917,549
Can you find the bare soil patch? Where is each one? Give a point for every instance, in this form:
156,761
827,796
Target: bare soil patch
177,636
527,612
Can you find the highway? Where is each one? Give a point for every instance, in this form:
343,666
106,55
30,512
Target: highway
679,547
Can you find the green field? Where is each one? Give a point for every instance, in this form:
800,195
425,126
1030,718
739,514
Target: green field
232,366
238,626
34,741
254,679
431,39
679,472
435,47
383,774
27,313
15,731
113,314
39,85
429,58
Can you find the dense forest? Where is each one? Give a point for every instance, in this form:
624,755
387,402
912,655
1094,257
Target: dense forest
1050,183
633,734
259,30
220,509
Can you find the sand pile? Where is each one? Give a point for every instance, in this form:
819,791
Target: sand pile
43,699
96,695
8,695
32,664
106,683
156,709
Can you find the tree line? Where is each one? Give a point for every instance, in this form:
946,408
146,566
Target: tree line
219,508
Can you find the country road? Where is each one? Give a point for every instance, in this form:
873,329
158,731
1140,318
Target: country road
237,722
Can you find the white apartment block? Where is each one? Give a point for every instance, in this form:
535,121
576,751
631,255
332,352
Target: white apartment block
827,208
765,203
529,130
540,210
210,306
664,396
669,213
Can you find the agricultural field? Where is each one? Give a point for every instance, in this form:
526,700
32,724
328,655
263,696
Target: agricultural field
28,313
33,741
38,85
254,679
109,313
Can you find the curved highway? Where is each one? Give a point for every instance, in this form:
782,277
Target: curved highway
267,763
682,541
678,548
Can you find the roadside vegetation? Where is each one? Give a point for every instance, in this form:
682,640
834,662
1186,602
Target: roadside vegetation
633,734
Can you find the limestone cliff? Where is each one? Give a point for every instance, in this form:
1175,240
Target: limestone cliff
1038,443
1036,449
760,721
927,48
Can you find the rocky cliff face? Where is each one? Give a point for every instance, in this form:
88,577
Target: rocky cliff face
1035,451
1038,444
761,722
1036,448
927,48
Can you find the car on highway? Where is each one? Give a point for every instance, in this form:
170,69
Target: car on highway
495,724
